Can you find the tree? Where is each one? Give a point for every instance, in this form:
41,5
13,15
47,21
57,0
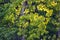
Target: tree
29,19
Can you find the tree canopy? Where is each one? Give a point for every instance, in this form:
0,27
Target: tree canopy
29,19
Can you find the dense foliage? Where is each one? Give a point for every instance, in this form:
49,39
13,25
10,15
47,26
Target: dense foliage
29,19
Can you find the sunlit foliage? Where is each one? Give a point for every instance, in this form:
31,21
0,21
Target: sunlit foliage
40,19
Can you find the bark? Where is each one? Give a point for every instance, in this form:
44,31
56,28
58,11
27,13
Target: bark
24,5
21,14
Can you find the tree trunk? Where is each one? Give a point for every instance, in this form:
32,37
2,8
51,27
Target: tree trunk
24,5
